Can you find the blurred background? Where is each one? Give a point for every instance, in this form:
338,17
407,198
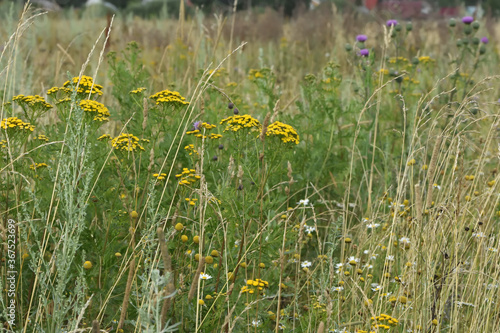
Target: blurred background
401,8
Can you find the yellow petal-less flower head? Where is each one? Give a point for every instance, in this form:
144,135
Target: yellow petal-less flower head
36,166
36,103
15,125
239,122
97,111
87,265
285,132
137,91
126,143
167,97
83,86
188,176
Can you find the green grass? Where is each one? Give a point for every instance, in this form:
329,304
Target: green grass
349,193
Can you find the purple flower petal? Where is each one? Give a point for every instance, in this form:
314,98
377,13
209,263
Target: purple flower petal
467,19
364,52
361,38
391,23
197,124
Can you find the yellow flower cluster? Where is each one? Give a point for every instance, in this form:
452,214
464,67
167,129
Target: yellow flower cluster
14,123
104,137
197,131
42,137
63,100
318,304
86,86
217,73
237,122
394,60
160,176
197,128
38,166
3,144
55,90
190,148
34,102
252,284
137,91
213,199
214,136
255,74
379,321
96,109
426,59
166,97
126,142
187,176
191,202
286,132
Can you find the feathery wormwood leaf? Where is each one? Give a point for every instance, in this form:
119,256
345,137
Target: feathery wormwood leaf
150,298
54,266
75,179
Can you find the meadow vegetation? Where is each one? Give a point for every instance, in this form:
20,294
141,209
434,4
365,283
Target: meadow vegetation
330,173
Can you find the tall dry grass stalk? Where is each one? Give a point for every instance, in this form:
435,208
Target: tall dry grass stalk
432,171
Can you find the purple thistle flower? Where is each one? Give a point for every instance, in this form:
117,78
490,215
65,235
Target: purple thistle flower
197,124
485,40
361,38
467,19
364,52
391,23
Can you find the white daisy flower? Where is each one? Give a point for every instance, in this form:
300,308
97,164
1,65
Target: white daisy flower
405,240
310,229
306,264
352,260
304,202
204,276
